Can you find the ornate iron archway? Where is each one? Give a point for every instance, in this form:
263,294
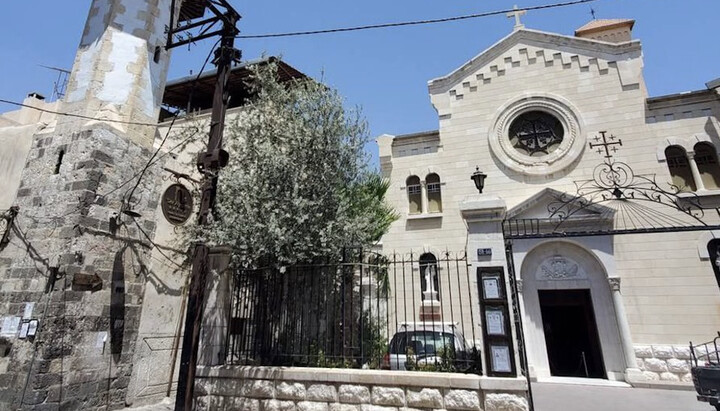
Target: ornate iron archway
617,200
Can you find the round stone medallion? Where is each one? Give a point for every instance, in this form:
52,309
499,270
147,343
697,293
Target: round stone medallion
537,135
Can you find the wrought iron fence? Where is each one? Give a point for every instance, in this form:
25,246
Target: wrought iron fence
705,354
367,310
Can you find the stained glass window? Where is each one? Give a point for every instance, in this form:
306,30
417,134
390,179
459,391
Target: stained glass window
536,133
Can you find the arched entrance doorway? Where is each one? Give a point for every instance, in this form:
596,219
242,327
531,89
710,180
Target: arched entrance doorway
570,321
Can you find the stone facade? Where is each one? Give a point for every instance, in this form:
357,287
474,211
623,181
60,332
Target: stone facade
654,288
664,362
69,224
265,388
79,254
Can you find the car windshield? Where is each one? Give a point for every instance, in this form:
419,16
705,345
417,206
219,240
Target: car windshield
421,342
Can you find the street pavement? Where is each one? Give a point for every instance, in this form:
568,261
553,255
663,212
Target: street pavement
572,397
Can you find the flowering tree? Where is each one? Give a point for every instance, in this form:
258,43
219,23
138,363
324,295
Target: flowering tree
298,187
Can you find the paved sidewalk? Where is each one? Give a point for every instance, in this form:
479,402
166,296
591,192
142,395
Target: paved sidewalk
573,397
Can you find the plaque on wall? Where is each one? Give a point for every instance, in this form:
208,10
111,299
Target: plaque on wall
24,327
494,309
495,321
10,326
491,287
500,358
177,204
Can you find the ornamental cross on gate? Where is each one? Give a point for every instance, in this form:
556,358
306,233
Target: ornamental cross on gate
607,145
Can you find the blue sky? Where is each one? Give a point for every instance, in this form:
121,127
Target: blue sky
384,71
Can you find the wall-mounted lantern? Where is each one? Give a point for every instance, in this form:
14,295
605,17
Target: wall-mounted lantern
479,178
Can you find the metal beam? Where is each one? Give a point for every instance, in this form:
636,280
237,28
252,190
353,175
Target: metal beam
565,234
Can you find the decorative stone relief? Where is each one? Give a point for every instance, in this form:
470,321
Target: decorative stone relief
560,268
568,151
614,283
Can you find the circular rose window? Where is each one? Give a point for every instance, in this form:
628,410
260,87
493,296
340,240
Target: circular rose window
536,133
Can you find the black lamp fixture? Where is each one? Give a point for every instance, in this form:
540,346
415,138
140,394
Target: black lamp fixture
479,178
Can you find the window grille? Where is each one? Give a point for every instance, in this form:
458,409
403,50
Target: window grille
433,187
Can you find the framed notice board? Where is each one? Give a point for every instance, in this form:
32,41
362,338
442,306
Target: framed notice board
495,318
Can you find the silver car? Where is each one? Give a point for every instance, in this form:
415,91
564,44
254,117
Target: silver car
428,346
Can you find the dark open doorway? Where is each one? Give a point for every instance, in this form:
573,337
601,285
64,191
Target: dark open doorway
571,335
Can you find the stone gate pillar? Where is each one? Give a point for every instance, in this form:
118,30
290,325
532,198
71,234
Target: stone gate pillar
484,215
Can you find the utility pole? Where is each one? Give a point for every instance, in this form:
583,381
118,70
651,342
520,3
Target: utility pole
209,164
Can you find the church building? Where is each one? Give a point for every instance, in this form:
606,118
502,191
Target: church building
598,202
585,211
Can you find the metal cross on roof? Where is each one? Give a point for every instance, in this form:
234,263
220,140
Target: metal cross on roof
516,13
607,145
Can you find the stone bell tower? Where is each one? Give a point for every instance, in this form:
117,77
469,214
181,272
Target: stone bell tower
121,65
77,262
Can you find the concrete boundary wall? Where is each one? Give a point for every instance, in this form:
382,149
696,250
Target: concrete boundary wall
322,389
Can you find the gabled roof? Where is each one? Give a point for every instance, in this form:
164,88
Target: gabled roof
551,213
595,48
603,24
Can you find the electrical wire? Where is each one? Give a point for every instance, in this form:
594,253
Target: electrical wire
323,31
66,114
153,160
107,120
61,113
172,123
159,249
409,23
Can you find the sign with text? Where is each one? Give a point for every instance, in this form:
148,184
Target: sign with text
177,204
484,252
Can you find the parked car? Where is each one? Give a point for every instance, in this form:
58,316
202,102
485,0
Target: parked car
430,346
706,371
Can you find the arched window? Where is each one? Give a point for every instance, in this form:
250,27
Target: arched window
429,277
679,167
414,194
707,163
432,182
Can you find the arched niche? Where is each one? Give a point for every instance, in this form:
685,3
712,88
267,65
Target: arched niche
557,266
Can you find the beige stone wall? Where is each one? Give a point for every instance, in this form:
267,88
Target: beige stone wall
160,330
596,90
310,389
671,294
16,137
669,290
